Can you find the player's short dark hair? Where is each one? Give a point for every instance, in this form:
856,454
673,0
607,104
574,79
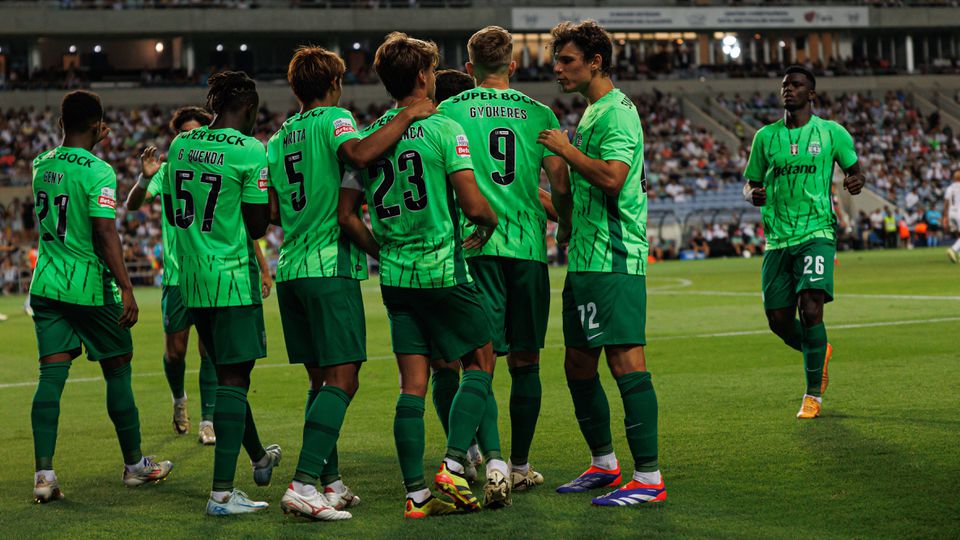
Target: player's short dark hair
451,82
185,114
80,110
398,60
589,37
797,68
231,91
490,49
312,71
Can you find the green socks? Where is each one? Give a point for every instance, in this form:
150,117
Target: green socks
45,413
331,471
640,418
446,382
525,393
467,411
488,434
208,388
593,414
409,437
320,432
123,412
251,439
174,372
814,353
230,420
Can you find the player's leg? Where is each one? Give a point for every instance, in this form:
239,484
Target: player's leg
780,297
110,345
208,397
628,366
954,251
527,311
445,380
411,345
174,367
58,345
589,400
234,339
813,271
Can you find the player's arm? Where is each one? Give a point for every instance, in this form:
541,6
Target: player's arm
607,175
558,174
360,153
348,216
274,207
854,180
846,156
256,217
753,190
266,280
474,206
149,166
106,243
547,202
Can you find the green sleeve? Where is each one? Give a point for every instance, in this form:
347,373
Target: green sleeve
455,148
273,153
619,132
757,163
156,182
102,193
552,123
254,189
845,152
342,128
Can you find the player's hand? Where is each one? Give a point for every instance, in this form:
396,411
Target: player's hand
150,161
479,237
103,132
563,236
854,183
266,284
130,310
756,196
420,110
554,140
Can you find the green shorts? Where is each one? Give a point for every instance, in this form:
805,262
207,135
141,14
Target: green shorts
604,308
63,327
787,271
176,316
517,294
231,335
446,323
323,321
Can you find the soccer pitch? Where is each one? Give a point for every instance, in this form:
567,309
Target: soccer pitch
882,461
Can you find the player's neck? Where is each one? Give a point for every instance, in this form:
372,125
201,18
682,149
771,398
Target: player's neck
496,82
226,121
798,118
78,141
599,86
315,104
417,95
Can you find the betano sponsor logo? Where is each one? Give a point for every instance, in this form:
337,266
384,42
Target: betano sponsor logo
794,169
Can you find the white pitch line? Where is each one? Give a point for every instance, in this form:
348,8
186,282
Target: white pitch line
832,327
841,295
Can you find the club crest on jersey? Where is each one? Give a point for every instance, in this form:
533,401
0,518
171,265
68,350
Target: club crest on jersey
794,149
262,181
107,198
814,149
578,140
341,126
463,146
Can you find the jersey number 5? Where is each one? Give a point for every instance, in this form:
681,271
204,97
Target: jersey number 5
407,161
298,198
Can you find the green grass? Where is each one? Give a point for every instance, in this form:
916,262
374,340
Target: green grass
883,461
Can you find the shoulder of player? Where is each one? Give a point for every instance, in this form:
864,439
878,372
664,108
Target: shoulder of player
43,156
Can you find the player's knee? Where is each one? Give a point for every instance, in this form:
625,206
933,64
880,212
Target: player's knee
234,374
523,359
811,315
175,357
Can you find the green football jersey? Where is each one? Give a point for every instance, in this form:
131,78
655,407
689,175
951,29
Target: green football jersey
210,172
306,174
171,262
70,186
503,126
796,168
412,207
610,233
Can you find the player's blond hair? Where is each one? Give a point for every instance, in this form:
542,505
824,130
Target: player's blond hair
400,58
491,49
312,72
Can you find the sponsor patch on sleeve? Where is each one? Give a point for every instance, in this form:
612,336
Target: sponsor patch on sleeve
262,182
341,126
463,146
107,198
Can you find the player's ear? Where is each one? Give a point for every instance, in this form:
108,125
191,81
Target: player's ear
596,63
469,67
511,68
